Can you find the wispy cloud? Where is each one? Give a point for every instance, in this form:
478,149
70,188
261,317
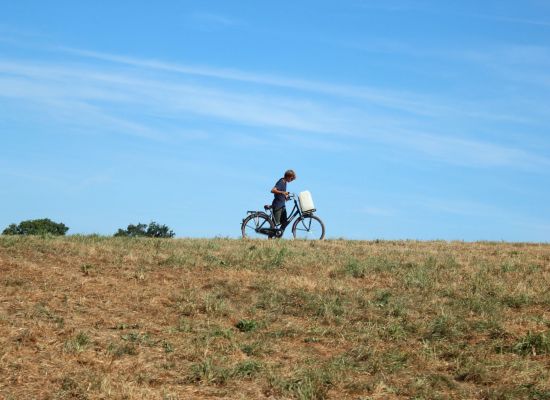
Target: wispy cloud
378,211
31,176
513,20
413,103
458,9
509,54
468,152
467,208
455,206
393,5
210,21
110,96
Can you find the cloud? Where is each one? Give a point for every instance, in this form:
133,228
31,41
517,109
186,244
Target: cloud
132,100
510,54
455,206
378,211
32,176
513,20
473,209
414,104
395,5
526,66
210,21
468,152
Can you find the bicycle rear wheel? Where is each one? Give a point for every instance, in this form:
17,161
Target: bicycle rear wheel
308,227
252,225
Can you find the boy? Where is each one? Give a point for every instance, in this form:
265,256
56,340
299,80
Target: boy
281,195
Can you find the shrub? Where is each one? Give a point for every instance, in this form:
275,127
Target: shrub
245,325
36,227
143,230
355,269
533,343
247,368
77,343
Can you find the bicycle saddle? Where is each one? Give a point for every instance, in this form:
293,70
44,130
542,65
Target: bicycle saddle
267,207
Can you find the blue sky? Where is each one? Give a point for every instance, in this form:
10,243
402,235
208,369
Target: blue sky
405,119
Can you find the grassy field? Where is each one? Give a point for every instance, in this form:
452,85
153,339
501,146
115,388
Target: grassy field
116,318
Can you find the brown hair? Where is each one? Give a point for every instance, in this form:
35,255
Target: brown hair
290,174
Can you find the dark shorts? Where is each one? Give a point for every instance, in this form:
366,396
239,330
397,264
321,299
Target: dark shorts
280,216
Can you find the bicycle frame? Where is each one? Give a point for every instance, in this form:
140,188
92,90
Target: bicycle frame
290,217
278,230
296,211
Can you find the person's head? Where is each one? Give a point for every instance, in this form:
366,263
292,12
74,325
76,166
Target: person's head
290,175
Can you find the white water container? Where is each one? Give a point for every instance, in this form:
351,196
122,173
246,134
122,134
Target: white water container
306,202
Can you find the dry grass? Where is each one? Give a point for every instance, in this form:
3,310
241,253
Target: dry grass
115,318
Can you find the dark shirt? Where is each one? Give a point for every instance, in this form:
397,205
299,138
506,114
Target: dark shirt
279,200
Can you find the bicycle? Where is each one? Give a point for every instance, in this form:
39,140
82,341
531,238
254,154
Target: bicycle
260,225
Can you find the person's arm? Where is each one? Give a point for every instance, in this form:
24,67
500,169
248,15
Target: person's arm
277,191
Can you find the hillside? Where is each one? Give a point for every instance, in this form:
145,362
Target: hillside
115,318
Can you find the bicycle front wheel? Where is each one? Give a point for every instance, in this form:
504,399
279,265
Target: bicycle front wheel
254,226
308,227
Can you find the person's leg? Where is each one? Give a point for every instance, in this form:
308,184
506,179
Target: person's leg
277,215
284,218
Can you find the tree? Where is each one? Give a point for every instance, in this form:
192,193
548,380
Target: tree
42,226
133,231
161,231
143,230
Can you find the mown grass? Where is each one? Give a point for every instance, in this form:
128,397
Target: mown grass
88,317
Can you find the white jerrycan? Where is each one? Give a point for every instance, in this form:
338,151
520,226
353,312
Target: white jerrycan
306,202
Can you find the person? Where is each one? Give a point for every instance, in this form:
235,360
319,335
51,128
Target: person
280,197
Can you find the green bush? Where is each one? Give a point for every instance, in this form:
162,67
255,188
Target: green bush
36,227
143,230
533,344
245,325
